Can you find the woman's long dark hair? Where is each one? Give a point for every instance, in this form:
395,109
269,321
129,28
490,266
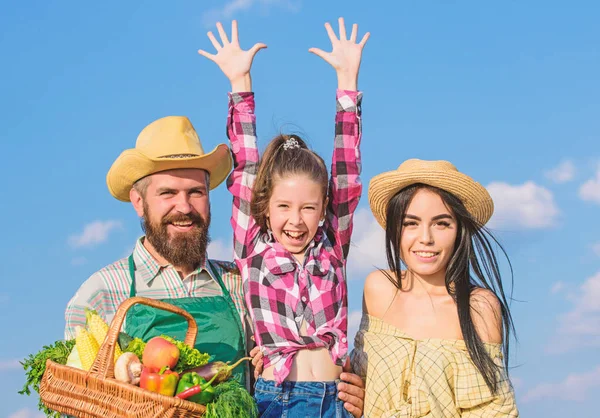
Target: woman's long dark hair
472,265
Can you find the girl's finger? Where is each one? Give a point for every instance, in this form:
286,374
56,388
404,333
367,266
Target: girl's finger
234,32
354,33
256,48
331,33
365,39
213,40
319,53
207,55
222,34
342,28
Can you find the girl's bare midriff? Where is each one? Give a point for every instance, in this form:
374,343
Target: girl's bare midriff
309,366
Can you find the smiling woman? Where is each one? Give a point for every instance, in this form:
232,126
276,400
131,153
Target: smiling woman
433,340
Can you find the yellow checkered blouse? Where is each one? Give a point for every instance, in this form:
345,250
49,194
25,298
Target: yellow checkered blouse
430,378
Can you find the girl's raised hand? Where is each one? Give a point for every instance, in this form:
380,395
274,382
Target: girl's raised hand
345,55
231,58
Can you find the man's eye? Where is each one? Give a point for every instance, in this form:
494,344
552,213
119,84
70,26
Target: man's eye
166,193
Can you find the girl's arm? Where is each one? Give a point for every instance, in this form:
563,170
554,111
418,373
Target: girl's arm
241,130
345,187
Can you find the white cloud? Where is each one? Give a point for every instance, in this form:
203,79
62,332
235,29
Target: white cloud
596,248
562,173
231,7
218,250
94,233
574,388
557,287
580,327
527,205
26,413
590,190
9,365
367,250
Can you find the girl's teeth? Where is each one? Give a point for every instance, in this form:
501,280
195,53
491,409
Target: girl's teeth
422,254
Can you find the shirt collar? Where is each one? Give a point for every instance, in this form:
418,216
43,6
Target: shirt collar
148,267
279,261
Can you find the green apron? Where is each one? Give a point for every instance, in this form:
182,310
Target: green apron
220,331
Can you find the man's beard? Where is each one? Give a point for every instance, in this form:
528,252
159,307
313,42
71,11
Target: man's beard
182,248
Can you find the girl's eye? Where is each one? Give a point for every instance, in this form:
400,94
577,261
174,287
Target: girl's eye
281,205
309,208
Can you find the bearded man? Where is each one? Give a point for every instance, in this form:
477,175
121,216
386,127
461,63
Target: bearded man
167,178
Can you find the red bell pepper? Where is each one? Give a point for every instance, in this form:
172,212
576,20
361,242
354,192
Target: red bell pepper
163,381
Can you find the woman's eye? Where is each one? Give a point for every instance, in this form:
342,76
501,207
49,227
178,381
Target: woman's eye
409,223
443,224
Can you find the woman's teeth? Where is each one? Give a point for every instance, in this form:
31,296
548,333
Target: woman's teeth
425,254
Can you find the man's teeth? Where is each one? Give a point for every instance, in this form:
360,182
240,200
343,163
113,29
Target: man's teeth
187,223
425,254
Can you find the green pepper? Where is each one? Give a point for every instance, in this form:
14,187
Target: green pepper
191,379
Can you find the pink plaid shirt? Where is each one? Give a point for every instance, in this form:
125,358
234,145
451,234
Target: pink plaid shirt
280,292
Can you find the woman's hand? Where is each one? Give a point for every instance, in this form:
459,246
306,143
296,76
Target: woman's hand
257,361
345,55
232,59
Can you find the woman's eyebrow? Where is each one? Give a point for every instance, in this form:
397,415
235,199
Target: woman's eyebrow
435,218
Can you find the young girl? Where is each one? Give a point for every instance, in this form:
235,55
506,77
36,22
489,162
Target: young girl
292,230
433,337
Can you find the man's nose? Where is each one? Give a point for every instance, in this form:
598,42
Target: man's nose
183,204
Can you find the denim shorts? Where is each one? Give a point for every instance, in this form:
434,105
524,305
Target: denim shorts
299,400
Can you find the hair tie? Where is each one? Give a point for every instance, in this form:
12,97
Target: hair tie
290,143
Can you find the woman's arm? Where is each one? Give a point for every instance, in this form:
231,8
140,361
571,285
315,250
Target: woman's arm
236,63
345,187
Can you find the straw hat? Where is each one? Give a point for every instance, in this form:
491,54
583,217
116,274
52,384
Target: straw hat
441,174
166,144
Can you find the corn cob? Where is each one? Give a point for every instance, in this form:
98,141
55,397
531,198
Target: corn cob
87,347
98,328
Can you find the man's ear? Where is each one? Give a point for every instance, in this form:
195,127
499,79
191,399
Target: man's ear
137,201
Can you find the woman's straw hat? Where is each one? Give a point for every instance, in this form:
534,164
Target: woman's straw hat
441,174
166,144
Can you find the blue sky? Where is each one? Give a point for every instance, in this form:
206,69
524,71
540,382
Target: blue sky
507,92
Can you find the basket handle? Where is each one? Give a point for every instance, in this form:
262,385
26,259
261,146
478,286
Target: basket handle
104,364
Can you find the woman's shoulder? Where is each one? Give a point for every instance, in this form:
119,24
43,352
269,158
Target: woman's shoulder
379,292
486,312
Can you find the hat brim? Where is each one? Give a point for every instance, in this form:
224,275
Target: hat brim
133,165
473,195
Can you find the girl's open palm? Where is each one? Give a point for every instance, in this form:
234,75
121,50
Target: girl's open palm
346,53
230,57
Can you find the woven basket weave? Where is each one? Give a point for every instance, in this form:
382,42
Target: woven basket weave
96,393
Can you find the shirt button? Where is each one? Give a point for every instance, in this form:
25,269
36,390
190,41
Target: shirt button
344,340
298,318
303,298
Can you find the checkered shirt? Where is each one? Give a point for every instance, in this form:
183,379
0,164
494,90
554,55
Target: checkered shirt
432,378
280,292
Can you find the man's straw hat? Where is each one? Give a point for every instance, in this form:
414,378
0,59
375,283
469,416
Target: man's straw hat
166,144
441,174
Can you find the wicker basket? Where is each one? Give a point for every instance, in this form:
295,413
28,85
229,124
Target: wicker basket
96,393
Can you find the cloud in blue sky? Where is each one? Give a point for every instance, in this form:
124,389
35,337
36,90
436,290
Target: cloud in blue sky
575,387
580,326
590,190
231,7
562,173
9,365
94,233
527,205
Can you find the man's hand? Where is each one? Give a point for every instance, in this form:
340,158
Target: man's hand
231,58
352,391
257,361
345,55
